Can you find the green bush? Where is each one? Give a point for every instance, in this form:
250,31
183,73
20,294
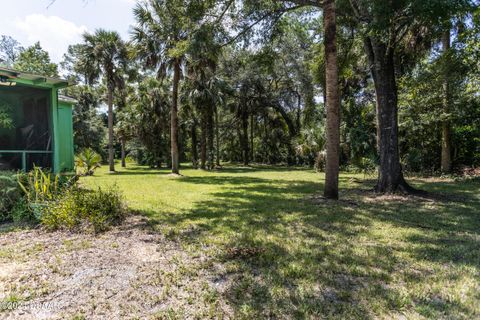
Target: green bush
40,185
9,194
23,212
85,210
40,189
88,161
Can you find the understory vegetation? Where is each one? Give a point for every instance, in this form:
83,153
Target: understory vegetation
79,209
56,202
9,194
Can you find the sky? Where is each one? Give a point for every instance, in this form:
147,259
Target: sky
63,22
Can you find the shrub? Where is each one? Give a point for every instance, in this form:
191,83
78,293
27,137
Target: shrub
23,212
87,161
39,185
86,210
366,166
9,194
320,161
40,188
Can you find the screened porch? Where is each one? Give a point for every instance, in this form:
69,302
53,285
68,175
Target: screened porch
28,141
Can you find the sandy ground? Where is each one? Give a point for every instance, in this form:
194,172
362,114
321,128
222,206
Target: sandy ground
127,272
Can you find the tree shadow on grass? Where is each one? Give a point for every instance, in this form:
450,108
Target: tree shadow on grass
232,168
307,266
306,259
442,229
141,171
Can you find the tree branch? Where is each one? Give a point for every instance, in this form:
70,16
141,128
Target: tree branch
51,3
313,3
265,16
359,13
224,11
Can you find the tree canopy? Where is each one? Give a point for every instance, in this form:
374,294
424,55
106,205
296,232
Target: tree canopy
247,81
35,59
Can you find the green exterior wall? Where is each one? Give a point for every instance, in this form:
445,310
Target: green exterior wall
65,136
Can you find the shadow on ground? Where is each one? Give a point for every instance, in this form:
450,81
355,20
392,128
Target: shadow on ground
358,258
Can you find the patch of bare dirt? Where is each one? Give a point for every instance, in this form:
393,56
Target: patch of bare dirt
128,272
355,197
469,171
321,200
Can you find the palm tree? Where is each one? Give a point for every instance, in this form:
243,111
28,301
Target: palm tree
106,55
204,92
160,37
332,102
150,115
446,158
204,89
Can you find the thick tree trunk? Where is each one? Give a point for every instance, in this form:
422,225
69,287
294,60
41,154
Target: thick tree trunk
194,146
390,176
174,118
124,163
446,161
332,102
246,152
266,155
252,152
111,151
217,138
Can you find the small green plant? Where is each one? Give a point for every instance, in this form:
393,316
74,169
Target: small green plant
88,161
320,161
41,187
23,212
87,210
367,166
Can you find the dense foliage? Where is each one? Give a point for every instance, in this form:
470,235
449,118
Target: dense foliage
10,50
256,96
216,81
57,202
35,59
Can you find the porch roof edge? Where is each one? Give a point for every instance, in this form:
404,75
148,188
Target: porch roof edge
34,79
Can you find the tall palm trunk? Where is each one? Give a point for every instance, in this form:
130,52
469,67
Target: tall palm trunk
203,142
194,146
210,138
332,101
217,138
446,161
174,118
111,151
122,141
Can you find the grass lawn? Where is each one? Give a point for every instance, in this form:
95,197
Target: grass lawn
276,249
